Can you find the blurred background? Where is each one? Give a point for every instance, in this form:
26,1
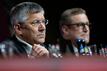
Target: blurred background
96,11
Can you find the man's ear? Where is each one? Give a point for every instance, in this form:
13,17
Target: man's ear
65,29
65,32
17,28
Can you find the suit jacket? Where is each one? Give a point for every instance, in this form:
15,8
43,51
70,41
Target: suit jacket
13,47
67,48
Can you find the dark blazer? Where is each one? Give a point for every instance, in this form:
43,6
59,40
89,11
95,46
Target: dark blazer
13,47
63,44
66,47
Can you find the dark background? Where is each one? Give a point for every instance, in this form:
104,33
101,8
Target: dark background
96,11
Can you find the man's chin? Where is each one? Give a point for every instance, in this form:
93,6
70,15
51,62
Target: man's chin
87,41
41,41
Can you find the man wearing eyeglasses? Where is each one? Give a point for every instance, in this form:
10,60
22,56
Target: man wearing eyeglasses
75,30
28,27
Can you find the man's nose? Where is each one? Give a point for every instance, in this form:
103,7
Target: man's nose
42,27
85,28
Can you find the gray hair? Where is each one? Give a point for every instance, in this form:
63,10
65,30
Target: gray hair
19,13
70,12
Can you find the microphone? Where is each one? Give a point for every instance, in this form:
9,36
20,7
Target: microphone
83,49
81,46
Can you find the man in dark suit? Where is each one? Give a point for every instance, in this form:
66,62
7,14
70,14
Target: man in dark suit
28,28
74,26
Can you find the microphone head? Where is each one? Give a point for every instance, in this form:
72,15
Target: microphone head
81,44
80,41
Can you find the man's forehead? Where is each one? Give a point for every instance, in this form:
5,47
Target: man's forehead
79,18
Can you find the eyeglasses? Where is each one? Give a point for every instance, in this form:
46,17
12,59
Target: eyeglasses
37,22
77,25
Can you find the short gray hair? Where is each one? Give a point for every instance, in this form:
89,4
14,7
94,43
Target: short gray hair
20,11
70,12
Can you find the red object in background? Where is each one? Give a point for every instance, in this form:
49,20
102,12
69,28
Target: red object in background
64,64
96,63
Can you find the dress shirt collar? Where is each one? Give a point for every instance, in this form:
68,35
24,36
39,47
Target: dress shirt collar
29,46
